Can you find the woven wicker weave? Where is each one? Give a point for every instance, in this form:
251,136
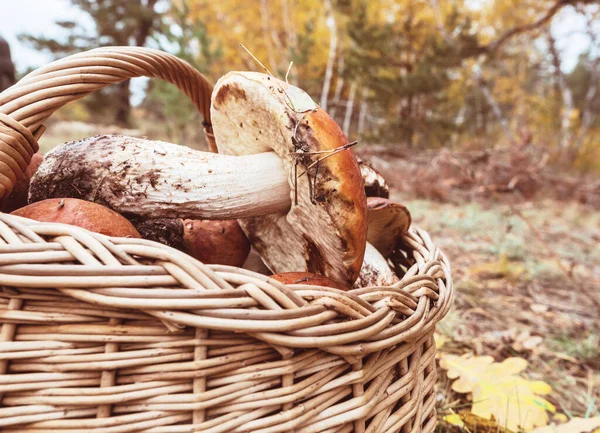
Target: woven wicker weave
126,335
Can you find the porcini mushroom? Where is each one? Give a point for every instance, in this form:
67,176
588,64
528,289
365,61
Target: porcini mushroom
375,183
387,221
325,230
293,180
375,270
212,242
255,263
155,179
90,216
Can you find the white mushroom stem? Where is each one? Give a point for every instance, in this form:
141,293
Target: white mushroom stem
255,263
155,179
375,270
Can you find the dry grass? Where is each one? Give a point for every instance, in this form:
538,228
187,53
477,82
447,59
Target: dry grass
521,293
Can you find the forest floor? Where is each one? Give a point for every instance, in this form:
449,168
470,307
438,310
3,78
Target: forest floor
527,284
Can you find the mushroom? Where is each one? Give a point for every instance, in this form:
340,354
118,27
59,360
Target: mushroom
212,242
375,270
154,179
90,216
255,263
387,221
375,183
325,230
307,278
284,169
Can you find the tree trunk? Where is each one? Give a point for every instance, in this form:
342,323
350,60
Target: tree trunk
266,28
339,85
330,17
349,109
566,137
291,37
145,25
362,114
587,114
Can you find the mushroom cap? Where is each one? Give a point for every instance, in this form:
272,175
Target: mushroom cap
307,278
324,231
388,221
375,183
212,242
81,213
216,242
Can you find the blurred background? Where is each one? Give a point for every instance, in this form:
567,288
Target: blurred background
484,115
416,74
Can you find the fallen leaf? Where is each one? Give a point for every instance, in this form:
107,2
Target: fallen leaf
498,391
440,340
454,419
560,418
502,268
576,425
468,422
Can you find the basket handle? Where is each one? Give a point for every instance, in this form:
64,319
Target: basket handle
25,106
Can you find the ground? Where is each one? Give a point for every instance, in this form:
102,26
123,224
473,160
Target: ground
526,279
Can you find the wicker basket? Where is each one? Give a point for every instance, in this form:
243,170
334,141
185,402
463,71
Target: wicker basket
125,335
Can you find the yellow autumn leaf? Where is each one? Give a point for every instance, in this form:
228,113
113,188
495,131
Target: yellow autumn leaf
466,369
468,422
576,425
502,268
440,340
499,392
454,419
560,418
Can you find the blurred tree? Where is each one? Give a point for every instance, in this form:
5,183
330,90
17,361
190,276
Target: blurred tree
580,80
115,22
187,38
409,67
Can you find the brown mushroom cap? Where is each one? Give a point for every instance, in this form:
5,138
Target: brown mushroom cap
216,242
325,229
219,242
388,221
375,183
307,278
85,214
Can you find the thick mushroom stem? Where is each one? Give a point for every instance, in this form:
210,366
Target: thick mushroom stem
375,270
154,179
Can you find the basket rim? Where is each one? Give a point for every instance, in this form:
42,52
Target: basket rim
225,298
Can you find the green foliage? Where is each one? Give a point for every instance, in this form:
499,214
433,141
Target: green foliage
409,71
116,22
580,80
188,39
